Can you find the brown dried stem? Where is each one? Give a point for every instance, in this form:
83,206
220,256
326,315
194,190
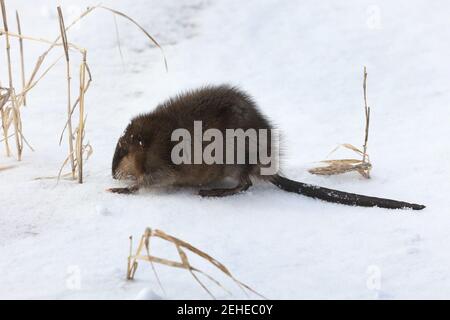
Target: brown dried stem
367,112
81,120
22,63
69,94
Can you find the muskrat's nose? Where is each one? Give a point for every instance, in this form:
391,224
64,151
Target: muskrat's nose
119,153
114,172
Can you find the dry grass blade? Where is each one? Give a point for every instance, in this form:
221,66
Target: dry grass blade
142,29
11,135
24,140
367,111
6,168
63,33
353,148
5,117
4,112
185,261
87,151
131,268
64,164
53,44
346,161
119,46
147,247
17,121
31,85
81,119
67,175
184,264
340,166
22,63
88,83
4,98
217,283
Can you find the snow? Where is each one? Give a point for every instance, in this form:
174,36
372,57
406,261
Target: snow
302,61
147,294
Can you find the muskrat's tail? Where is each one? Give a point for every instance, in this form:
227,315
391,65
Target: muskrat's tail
336,196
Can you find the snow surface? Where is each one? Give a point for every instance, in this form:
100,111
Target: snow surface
302,61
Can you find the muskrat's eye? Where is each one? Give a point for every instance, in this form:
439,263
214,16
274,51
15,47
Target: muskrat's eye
137,140
140,141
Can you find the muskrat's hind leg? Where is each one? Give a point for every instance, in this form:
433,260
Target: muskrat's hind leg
244,184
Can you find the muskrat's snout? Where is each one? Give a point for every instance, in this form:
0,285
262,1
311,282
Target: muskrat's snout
130,154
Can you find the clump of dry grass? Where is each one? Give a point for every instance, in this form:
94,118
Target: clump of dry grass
11,99
184,263
10,110
77,151
363,165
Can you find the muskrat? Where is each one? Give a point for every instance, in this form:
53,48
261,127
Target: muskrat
145,151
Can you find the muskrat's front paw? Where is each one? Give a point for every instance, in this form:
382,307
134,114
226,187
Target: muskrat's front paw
122,190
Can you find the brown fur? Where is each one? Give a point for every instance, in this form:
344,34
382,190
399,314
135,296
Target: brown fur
147,138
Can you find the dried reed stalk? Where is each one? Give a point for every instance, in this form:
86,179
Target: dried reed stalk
69,94
80,149
4,97
81,120
367,112
181,246
340,166
22,63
